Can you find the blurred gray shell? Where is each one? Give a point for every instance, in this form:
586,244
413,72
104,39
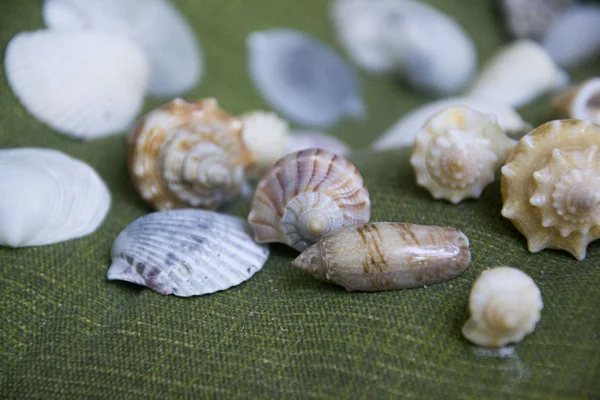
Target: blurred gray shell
186,252
532,18
303,79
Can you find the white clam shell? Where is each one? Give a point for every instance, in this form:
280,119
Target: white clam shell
427,47
302,140
48,197
186,252
574,37
85,84
156,26
505,306
404,131
302,78
518,74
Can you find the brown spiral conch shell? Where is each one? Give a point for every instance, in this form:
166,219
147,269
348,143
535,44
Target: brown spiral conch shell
551,186
188,154
580,101
387,256
307,195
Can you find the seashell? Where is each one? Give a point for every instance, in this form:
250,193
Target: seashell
303,140
306,196
457,153
85,84
532,18
551,186
186,252
505,306
155,26
403,132
581,101
188,154
574,37
265,135
505,80
387,256
303,79
430,49
48,197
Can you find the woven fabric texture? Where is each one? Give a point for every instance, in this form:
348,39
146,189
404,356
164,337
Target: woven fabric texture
68,332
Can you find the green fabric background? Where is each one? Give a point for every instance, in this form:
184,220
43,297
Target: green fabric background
68,332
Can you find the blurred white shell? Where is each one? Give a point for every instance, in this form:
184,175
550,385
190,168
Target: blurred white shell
156,26
83,84
580,101
575,36
519,73
306,196
505,305
532,18
48,197
457,153
403,132
302,140
265,135
551,186
188,154
427,47
302,79
186,252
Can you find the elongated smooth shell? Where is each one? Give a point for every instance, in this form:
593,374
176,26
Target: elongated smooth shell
518,74
505,305
302,79
186,252
155,26
404,131
48,197
580,102
84,84
387,256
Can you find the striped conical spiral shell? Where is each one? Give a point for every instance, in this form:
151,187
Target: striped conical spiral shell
188,154
551,186
307,195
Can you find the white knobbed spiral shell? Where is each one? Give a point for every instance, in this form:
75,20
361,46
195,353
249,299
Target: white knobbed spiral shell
551,186
186,252
457,153
188,154
307,195
505,306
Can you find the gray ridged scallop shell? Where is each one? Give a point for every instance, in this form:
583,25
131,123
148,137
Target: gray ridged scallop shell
186,252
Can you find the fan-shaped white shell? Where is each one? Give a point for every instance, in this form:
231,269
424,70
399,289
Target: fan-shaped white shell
83,84
303,79
156,26
186,252
518,74
302,140
48,197
575,36
429,48
404,131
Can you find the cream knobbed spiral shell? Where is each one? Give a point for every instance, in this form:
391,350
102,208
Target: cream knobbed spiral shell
307,195
505,306
457,152
188,154
551,186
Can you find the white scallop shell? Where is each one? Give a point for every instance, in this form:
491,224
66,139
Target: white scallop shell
83,84
265,135
575,36
302,140
302,78
186,252
518,74
404,131
532,18
156,26
48,197
427,47
581,101
505,306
